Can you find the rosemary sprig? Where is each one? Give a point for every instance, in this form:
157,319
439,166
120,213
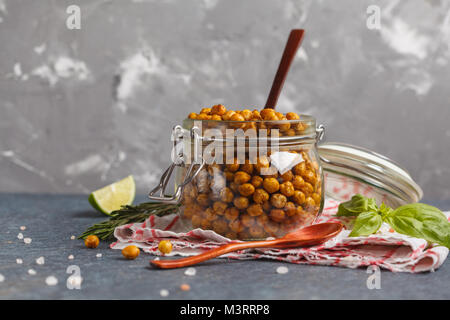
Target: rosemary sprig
128,214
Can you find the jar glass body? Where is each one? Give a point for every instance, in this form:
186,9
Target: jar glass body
253,187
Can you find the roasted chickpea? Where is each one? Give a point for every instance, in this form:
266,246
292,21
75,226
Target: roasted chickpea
233,167
256,181
271,185
268,114
255,210
256,231
262,219
266,206
229,176
227,115
220,226
210,215
309,176
203,116
231,213
247,167
277,215
206,224
260,196
247,114
287,176
300,168
255,115
192,115
203,199
298,182
284,126
309,202
246,189
241,202
219,207
188,211
271,227
298,197
236,226
278,200
237,117
292,116
291,132
206,110
218,109
130,252
241,177
247,220
231,235
226,195
165,246
317,198
290,209
91,241
287,188
307,188
234,186
196,220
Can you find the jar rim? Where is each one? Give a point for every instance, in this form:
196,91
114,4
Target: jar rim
304,118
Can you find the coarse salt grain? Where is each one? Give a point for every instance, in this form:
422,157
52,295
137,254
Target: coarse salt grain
190,272
19,261
282,270
23,228
27,240
40,260
72,238
164,293
31,272
51,281
98,255
70,257
2,278
20,236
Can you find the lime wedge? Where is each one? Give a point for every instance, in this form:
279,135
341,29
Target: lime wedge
114,196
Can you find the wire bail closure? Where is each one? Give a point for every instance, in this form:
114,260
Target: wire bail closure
159,192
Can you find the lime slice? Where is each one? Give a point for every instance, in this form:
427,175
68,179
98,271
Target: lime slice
114,196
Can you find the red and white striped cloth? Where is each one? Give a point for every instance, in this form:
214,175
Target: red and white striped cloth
386,249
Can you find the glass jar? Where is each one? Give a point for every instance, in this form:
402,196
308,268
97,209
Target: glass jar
246,179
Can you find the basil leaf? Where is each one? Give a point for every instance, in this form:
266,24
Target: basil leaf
366,223
357,204
421,221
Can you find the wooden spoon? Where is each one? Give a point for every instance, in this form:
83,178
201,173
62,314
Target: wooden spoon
293,43
308,236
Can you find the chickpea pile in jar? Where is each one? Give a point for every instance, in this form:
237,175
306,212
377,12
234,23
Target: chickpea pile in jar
288,124
238,201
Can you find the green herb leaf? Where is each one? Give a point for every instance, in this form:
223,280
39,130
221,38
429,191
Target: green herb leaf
366,223
421,221
357,204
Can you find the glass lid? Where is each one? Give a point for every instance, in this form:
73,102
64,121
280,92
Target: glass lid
349,169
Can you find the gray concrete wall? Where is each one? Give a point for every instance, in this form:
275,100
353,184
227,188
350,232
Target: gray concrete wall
82,108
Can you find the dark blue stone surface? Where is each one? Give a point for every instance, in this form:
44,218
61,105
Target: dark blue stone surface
51,221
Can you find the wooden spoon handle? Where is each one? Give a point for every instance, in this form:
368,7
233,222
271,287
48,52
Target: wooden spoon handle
213,253
293,43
